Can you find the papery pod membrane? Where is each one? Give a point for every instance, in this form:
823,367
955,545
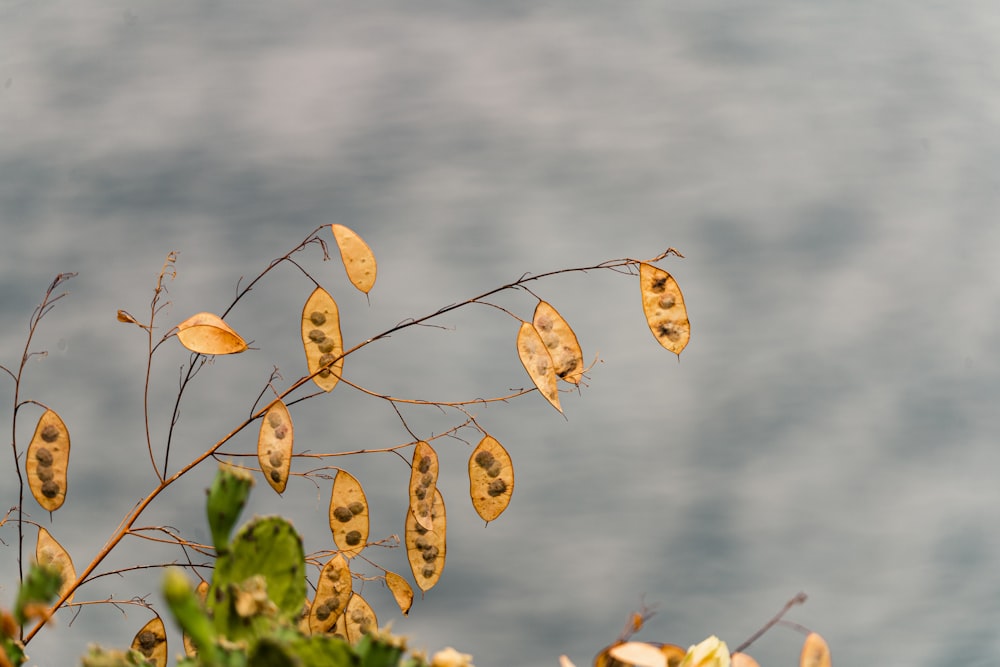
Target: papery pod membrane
200,592
48,461
564,348
564,661
423,483
359,261
322,340
425,549
360,619
348,515
742,660
537,361
48,552
151,642
401,591
333,590
672,653
274,445
663,304
815,652
206,333
491,478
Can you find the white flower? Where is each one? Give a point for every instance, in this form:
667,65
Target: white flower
710,653
451,658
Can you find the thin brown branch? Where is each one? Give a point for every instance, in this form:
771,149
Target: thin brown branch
800,598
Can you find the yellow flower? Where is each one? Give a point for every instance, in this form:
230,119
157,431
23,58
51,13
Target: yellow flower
451,658
710,653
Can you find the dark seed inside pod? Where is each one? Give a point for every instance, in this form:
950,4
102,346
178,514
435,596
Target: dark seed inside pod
50,433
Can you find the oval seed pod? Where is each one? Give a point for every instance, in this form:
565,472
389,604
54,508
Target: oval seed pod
491,478
567,355
333,590
50,552
206,333
401,591
537,361
274,445
360,619
423,483
48,460
151,642
815,652
425,549
359,261
348,515
663,304
322,340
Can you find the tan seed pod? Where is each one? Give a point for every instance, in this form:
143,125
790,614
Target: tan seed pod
401,591
537,361
742,660
491,478
567,356
274,445
359,262
815,652
360,619
50,552
322,340
151,642
348,515
663,304
333,590
206,333
48,461
425,549
423,483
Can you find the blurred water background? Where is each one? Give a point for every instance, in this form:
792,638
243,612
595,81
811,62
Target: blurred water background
831,171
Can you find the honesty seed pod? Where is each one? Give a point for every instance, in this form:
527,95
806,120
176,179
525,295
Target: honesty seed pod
423,483
333,590
360,618
321,339
359,262
348,514
537,362
151,642
401,591
274,445
206,333
49,552
425,549
47,461
491,478
558,336
663,304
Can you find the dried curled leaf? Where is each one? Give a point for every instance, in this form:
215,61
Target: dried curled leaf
538,362
360,619
359,261
423,483
348,515
491,478
401,591
332,594
815,652
663,304
274,445
50,552
151,642
206,333
425,549
48,461
321,338
640,654
564,348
